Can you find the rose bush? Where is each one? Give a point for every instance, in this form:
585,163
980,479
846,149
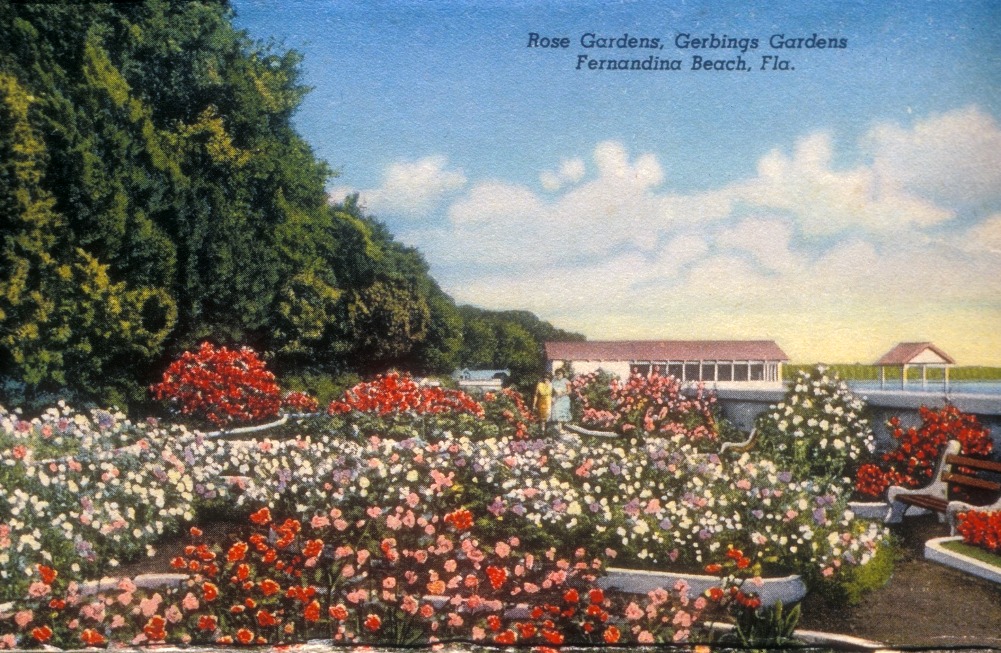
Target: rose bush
981,529
398,393
817,431
912,462
508,411
645,404
94,506
299,402
224,387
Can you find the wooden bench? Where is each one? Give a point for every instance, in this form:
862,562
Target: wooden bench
953,470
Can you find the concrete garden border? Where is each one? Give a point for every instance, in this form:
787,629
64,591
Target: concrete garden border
935,552
788,589
869,509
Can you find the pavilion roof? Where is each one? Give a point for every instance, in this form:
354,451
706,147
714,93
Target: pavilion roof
905,352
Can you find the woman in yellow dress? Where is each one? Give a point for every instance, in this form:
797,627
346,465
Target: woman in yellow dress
542,402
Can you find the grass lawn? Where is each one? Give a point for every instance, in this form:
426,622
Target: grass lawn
977,553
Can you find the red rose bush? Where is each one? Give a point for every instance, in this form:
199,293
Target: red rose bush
981,529
912,462
395,393
225,387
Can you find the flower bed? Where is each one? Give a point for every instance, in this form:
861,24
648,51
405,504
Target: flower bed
644,404
943,550
416,582
981,529
654,502
95,504
912,462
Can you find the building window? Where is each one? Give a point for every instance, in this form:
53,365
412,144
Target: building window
724,371
740,371
757,371
675,370
643,369
708,371
691,371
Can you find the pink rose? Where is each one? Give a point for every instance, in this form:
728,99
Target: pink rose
23,618
173,614
38,590
149,606
190,602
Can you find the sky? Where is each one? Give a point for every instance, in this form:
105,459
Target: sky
838,203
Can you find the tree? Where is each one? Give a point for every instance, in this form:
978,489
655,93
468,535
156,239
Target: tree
62,318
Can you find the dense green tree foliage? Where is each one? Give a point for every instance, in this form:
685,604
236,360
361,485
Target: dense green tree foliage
508,340
154,194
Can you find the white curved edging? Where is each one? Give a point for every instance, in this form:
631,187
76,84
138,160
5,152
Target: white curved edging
788,589
248,429
580,430
869,509
145,581
936,552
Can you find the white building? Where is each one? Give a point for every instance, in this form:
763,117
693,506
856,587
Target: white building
481,380
717,363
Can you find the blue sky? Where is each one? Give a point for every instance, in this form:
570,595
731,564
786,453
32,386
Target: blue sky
838,208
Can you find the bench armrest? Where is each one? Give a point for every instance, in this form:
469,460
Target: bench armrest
955,507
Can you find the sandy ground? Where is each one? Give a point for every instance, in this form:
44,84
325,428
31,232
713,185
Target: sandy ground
924,604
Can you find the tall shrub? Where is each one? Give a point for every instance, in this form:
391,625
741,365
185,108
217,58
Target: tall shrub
818,430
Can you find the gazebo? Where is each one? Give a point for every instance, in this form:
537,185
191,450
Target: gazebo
915,354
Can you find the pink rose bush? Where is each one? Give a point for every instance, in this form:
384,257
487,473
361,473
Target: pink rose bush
644,404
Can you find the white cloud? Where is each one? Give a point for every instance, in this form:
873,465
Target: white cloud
953,158
826,201
409,188
767,241
571,171
619,208
819,256
986,236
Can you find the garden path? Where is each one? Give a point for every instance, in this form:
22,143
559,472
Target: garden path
924,604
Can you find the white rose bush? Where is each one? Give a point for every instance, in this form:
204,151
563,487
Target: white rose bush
818,430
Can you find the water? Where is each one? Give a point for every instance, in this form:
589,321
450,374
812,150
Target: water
932,387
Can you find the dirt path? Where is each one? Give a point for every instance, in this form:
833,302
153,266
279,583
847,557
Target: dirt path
924,604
